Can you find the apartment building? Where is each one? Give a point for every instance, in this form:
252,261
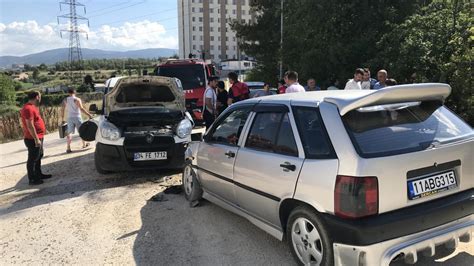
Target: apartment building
204,28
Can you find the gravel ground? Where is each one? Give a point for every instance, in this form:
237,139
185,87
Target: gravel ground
82,217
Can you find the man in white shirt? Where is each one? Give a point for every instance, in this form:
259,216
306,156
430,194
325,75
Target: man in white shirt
209,110
355,83
291,80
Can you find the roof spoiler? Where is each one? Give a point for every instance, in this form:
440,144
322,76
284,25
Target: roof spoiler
393,94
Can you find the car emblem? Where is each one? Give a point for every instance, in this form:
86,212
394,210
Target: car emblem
149,138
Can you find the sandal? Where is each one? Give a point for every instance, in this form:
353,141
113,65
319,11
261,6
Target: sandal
86,145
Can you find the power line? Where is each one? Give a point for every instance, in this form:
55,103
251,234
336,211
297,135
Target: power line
142,16
111,11
105,8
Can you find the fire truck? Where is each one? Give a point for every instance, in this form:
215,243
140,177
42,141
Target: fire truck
193,74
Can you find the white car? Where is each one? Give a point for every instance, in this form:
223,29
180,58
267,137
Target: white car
347,177
144,125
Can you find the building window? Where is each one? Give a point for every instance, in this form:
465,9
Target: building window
219,39
235,48
212,47
201,9
218,47
200,28
194,28
219,30
194,47
211,19
226,39
233,11
192,9
200,19
200,1
218,11
233,38
243,12
201,47
200,38
211,10
212,38
212,29
234,2
194,38
194,19
218,20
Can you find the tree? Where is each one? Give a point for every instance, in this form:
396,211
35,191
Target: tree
35,73
43,67
329,42
7,90
435,45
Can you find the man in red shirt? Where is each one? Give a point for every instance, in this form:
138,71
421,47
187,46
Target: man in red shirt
238,90
33,132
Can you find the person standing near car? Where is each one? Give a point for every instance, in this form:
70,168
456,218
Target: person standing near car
33,133
238,91
265,92
355,83
291,80
222,97
210,102
382,76
74,107
281,87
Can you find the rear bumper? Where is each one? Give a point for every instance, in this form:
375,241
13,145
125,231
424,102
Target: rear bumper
399,223
408,246
115,158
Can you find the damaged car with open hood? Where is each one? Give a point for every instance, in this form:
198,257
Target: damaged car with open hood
144,124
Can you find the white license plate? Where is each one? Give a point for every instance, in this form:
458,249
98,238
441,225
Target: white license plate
431,185
150,156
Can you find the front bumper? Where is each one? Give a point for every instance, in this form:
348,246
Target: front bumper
407,247
120,158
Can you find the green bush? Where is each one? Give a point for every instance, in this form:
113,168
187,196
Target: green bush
7,90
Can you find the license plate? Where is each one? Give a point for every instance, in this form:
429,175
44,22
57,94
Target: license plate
430,185
150,156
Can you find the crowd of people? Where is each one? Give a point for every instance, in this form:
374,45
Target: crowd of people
217,98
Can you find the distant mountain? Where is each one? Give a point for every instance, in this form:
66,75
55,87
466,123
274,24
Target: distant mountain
57,55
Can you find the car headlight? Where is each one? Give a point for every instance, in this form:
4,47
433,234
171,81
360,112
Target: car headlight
109,131
184,128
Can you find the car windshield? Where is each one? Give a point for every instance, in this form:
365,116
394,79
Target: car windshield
386,130
191,76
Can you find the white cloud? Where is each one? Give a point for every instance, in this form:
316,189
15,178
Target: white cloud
20,38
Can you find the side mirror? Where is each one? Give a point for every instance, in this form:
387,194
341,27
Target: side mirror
93,108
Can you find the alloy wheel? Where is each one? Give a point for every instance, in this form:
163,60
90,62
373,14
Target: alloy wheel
306,242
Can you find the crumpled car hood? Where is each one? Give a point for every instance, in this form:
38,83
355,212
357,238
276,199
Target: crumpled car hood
146,91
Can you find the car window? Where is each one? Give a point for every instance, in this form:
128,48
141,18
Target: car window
392,129
272,132
228,130
313,135
264,130
286,140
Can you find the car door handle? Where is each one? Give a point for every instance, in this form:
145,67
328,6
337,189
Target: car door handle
288,166
230,154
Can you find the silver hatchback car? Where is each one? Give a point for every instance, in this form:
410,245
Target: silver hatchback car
346,177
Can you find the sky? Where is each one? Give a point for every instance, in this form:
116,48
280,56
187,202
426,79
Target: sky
31,26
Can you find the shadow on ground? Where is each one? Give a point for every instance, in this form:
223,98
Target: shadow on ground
72,177
172,233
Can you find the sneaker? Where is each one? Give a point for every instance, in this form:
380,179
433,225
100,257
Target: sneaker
68,151
42,176
36,182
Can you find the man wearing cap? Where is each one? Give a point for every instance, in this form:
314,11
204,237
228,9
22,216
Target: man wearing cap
209,111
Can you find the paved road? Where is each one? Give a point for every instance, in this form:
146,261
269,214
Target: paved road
81,217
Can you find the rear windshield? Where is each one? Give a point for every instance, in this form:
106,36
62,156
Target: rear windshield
144,93
400,128
191,76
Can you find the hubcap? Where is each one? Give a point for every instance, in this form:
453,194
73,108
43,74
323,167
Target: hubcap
188,180
306,242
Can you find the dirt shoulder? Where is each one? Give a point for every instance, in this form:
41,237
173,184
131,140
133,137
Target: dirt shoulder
82,217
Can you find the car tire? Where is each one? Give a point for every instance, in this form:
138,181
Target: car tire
191,187
308,239
98,167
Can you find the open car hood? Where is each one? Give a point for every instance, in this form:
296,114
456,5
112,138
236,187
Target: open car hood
147,92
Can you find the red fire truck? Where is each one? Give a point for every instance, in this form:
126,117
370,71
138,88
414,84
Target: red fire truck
193,74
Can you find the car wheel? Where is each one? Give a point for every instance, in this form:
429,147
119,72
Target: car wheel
98,167
309,241
192,188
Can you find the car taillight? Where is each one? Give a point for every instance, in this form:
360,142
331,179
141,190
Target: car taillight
356,197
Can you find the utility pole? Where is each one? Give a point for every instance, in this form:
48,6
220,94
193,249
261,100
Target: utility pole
75,53
281,39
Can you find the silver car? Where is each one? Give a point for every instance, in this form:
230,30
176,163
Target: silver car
346,177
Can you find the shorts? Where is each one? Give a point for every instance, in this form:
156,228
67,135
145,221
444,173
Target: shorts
72,123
